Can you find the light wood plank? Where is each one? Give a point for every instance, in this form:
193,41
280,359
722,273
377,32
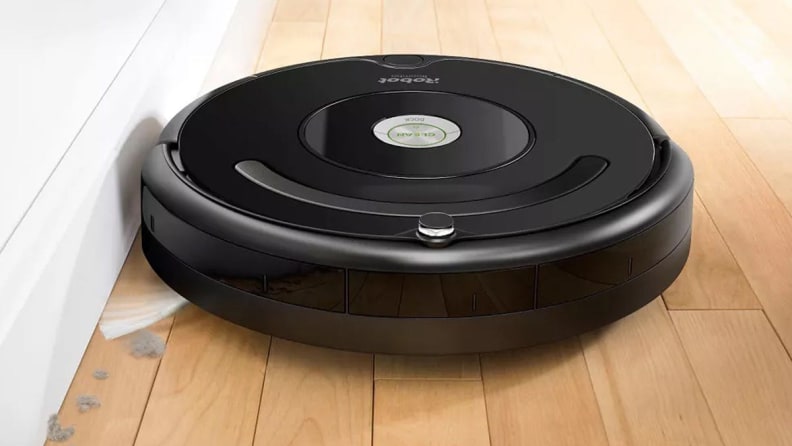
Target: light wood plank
464,29
645,387
711,278
769,64
301,11
290,43
522,35
463,367
208,386
429,413
744,371
665,86
722,78
124,394
754,223
773,16
354,28
315,397
584,50
409,26
541,396
769,144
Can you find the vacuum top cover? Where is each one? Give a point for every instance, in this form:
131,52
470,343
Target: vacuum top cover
366,147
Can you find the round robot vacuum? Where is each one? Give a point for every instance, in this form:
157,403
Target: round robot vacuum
416,204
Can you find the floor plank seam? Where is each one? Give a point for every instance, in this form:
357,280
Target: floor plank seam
153,383
689,364
261,393
788,350
264,42
324,32
381,36
373,396
430,379
494,37
484,394
684,310
593,390
437,27
622,66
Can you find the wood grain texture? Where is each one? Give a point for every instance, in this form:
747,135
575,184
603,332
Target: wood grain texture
752,220
584,49
711,278
744,371
768,63
431,413
769,144
773,17
124,394
646,389
463,367
541,396
663,83
409,26
354,28
304,44
464,29
315,397
727,83
522,35
208,385
301,11
749,215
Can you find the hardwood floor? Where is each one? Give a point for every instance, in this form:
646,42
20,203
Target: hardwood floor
706,364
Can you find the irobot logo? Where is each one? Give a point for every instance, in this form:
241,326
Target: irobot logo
409,79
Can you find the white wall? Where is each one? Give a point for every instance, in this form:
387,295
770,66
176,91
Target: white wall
85,88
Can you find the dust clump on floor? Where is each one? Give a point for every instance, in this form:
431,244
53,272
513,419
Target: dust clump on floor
55,432
87,402
146,343
101,374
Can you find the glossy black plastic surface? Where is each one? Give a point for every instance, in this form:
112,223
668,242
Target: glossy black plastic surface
342,133
571,122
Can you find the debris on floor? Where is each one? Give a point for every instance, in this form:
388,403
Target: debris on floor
101,374
55,432
146,343
87,402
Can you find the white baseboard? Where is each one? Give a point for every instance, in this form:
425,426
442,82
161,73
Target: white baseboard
61,263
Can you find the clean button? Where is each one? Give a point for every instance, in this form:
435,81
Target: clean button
416,131
403,60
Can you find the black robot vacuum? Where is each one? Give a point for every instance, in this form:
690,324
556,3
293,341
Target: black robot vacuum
416,204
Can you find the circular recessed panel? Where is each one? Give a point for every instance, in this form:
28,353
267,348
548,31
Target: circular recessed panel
416,131
370,133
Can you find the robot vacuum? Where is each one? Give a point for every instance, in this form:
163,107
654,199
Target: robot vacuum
416,204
